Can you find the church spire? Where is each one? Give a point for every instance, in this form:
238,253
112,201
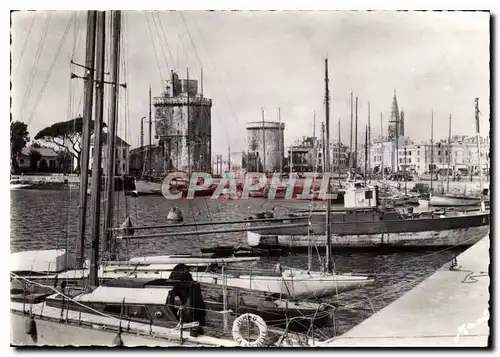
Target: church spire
394,117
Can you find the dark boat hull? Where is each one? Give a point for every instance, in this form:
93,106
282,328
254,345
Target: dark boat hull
354,231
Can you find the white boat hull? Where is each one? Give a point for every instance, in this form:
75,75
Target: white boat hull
17,186
296,283
452,201
452,237
84,329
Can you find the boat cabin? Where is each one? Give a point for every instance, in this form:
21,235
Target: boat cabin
358,195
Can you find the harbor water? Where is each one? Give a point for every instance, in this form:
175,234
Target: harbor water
43,219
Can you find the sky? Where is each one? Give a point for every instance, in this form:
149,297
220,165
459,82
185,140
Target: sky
435,61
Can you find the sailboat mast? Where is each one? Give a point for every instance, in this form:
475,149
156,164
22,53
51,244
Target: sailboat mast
350,141
279,139
96,164
323,147
382,145
88,98
478,135
142,144
432,147
338,156
366,152
329,265
369,140
263,143
150,134
189,127
449,157
356,138
113,106
314,124
229,158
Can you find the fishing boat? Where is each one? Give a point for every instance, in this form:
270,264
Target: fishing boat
360,225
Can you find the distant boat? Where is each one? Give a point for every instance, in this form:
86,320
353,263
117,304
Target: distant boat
17,186
16,183
454,200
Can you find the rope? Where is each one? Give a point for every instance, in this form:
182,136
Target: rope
51,68
154,47
165,38
14,72
159,39
31,76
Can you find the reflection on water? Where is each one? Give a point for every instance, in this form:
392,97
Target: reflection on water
42,219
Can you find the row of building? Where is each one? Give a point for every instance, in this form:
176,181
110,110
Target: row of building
182,142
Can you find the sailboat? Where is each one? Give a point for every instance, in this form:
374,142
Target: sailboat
326,282
145,309
456,200
368,226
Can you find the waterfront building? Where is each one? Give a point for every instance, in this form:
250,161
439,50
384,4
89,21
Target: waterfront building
265,141
183,126
305,156
122,152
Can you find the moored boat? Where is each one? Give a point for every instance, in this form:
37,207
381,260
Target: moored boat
131,312
453,200
376,227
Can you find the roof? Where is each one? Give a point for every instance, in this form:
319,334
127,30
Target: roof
116,295
45,152
104,138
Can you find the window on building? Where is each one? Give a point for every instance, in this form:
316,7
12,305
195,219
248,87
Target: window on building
409,153
409,160
21,161
52,164
123,168
439,153
418,152
418,159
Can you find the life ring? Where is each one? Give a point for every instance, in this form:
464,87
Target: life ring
255,319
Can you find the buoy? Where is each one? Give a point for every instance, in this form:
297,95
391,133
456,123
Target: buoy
175,215
256,320
127,227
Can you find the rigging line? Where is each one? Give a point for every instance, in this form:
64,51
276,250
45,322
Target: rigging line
186,57
155,25
215,70
166,41
34,67
14,71
154,47
191,39
49,73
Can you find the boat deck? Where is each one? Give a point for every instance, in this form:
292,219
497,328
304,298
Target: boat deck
449,309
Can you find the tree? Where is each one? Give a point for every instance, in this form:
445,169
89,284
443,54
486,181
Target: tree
64,161
35,156
66,135
19,137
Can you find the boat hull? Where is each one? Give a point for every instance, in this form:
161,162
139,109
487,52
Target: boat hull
18,186
453,201
92,331
376,223
404,240
295,283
